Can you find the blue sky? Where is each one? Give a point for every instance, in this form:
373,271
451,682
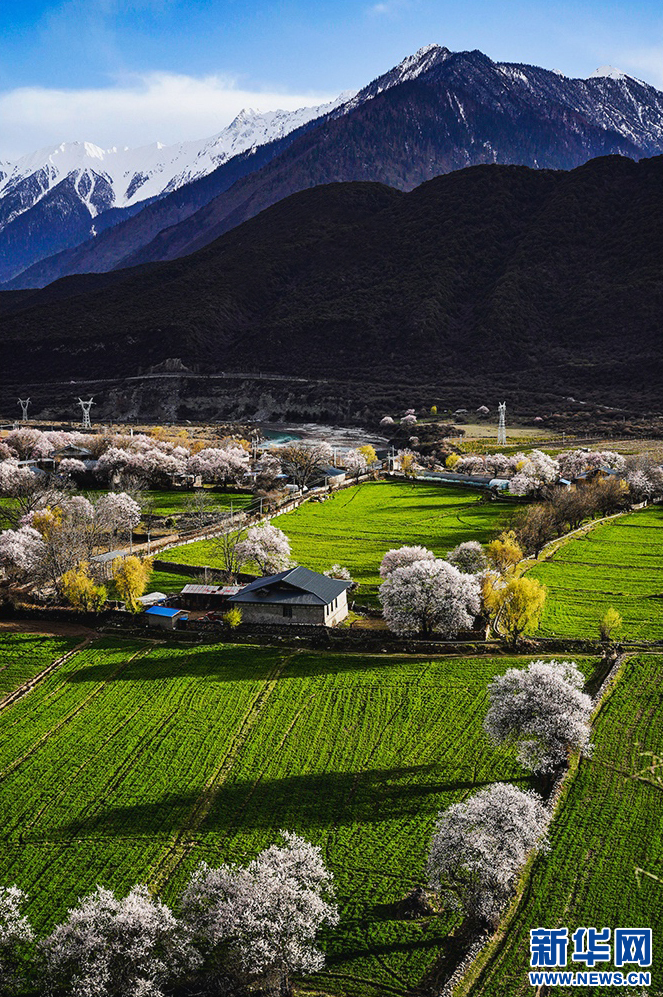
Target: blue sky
129,72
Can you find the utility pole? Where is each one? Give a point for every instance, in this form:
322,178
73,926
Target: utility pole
24,403
501,428
86,406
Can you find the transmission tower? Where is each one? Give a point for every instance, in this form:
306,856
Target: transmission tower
501,427
24,403
86,406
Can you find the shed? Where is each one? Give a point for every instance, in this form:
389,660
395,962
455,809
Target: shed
152,599
164,618
297,595
207,596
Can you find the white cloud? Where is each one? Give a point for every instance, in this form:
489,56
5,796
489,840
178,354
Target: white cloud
388,8
152,107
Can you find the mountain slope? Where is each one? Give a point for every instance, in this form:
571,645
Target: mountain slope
549,279
54,199
437,111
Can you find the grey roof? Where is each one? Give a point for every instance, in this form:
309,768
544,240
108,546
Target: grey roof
200,589
295,586
108,556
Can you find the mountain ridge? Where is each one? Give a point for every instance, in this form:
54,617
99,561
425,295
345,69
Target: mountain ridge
548,279
435,112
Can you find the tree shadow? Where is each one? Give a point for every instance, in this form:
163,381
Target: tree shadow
240,663
301,802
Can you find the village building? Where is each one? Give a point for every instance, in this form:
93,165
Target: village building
164,618
297,595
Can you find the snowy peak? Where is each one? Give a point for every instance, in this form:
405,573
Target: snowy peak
120,178
410,68
422,60
610,73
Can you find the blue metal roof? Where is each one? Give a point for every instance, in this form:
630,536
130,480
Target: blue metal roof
162,611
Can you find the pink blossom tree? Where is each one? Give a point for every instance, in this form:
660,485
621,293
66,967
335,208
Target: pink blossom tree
116,514
355,463
22,552
400,557
266,546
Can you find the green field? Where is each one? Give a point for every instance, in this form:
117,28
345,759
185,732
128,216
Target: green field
23,656
173,502
356,526
605,866
619,564
133,761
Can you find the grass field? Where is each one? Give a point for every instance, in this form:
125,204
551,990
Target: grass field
134,760
173,502
619,564
23,656
357,525
605,866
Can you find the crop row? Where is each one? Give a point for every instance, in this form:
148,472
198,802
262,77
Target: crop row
616,564
134,761
605,867
114,762
23,656
359,755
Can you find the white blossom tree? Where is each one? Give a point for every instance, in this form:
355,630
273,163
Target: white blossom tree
110,947
479,846
400,557
429,596
386,420
15,935
262,920
408,421
469,557
266,546
543,710
22,552
355,463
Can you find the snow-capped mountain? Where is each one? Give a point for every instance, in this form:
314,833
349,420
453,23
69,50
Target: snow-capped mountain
435,112
78,181
119,178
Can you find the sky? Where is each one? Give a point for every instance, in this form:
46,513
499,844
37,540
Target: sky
132,72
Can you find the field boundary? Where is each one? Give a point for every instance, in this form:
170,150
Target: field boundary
469,975
28,686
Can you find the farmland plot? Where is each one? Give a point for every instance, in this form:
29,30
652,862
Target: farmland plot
357,525
605,867
23,656
619,564
137,759
104,761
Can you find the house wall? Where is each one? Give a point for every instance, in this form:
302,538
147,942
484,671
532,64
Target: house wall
335,616
163,622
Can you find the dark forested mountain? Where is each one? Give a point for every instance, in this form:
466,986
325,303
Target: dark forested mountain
436,112
546,278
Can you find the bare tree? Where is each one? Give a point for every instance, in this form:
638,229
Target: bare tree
305,461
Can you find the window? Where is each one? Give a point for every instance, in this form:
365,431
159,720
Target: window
287,610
